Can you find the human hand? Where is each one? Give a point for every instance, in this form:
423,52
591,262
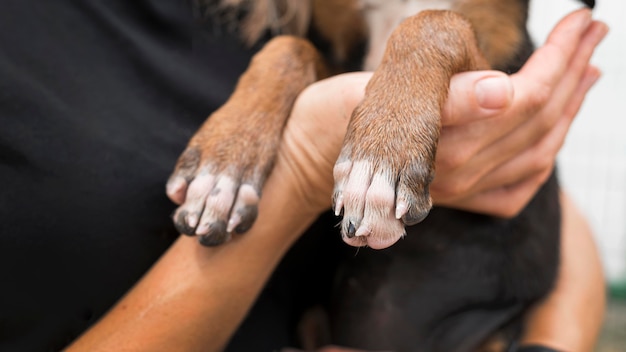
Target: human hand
501,134
314,135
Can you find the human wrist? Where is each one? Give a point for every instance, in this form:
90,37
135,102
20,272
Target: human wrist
286,206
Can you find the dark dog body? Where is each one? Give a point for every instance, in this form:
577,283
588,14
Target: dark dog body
457,281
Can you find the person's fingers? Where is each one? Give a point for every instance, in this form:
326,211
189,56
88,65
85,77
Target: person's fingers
536,83
535,128
533,85
542,155
474,98
528,164
504,201
461,142
576,83
548,64
578,65
533,161
545,86
591,76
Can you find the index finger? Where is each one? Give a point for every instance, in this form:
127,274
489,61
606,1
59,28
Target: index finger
548,64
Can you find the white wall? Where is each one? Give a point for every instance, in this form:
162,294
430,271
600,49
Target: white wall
593,160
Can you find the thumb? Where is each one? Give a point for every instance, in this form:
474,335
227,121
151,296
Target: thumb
476,95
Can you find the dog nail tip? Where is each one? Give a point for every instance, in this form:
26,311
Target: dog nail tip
338,205
202,230
192,221
401,209
233,222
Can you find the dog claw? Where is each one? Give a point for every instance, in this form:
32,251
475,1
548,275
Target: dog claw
181,223
401,209
215,236
338,205
242,218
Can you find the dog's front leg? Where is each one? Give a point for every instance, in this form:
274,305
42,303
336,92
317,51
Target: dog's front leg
218,178
387,161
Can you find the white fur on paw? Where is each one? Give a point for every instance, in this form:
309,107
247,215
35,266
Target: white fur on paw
188,215
373,221
218,203
353,197
176,189
341,172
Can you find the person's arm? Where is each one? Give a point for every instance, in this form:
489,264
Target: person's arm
570,318
194,297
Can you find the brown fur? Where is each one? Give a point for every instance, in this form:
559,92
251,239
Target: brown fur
272,71
499,36
341,23
290,17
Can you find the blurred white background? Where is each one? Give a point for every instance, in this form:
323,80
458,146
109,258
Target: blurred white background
592,162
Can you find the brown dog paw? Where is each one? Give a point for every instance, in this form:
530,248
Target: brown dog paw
218,179
383,174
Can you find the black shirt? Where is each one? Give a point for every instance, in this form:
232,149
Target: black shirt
97,100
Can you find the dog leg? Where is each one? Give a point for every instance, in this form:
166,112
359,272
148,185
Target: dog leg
387,161
219,177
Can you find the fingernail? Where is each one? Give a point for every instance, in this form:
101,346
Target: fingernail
494,92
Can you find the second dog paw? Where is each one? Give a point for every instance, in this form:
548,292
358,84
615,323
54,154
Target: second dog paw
215,201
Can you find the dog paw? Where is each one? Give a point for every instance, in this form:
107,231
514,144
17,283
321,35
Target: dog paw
378,200
217,183
383,174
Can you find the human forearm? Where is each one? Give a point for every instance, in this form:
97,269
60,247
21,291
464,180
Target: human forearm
195,297
569,319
